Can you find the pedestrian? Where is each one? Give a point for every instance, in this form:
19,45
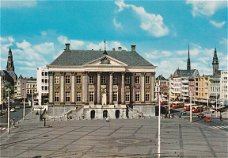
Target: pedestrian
220,117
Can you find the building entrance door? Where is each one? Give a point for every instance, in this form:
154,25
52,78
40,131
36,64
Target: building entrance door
92,114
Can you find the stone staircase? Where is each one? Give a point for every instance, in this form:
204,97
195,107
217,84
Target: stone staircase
77,113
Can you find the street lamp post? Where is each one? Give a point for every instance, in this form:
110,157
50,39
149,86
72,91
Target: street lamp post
23,104
8,90
216,104
159,126
190,108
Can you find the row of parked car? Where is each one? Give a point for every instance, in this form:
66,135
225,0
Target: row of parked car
195,108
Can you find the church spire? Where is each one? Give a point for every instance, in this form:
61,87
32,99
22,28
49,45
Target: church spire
215,62
188,61
10,65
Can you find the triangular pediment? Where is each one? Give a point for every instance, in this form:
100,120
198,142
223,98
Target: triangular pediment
105,60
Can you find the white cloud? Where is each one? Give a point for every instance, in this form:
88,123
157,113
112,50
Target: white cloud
23,45
117,24
18,3
224,41
45,48
151,23
6,39
75,44
44,33
206,8
217,24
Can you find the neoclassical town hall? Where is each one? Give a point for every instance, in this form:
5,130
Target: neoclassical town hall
104,83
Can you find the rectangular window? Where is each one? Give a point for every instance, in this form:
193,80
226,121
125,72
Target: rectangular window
42,73
78,79
127,97
56,96
147,97
67,79
136,79
91,96
78,98
115,80
137,97
114,96
91,81
46,73
56,80
42,81
127,80
147,79
103,80
42,87
67,96
46,88
46,81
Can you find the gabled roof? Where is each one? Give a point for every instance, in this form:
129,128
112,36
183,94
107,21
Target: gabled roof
81,57
186,73
160,77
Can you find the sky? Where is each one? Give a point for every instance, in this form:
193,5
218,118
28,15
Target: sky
37,31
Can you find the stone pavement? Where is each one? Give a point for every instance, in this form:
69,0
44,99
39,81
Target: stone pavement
117,138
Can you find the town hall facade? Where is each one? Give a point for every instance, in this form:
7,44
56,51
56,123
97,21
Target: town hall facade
104,83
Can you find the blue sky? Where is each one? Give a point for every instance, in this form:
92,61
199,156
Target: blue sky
37,30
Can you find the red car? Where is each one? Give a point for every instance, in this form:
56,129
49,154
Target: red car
187,108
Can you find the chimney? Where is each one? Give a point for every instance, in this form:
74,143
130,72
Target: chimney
133,48
67,46
119,48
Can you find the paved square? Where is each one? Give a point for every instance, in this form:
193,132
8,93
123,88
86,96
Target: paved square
117,138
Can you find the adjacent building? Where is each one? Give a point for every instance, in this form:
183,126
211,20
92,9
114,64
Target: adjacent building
42,85
162,87
25,88
224,86
104,83
180,87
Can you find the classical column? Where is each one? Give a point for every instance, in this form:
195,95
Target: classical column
152,86
142,87
72,87
85,88
98,88
110,87
132,88
51,87
122,89
62,88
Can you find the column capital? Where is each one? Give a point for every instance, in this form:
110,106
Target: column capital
73,73
85,73
152,73
62,73
50,73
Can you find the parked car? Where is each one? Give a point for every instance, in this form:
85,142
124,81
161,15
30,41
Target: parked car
177,104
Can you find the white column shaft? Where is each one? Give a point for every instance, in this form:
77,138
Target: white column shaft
62,89
98,88
50,89
122,90
73,88
84,88
110,88
142,88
